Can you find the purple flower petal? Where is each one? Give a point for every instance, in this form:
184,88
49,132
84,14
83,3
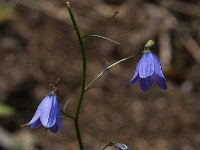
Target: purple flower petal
36,115
54,129
135,76
161,82
58,117
146,65
157,67
145,83
48,111
35,124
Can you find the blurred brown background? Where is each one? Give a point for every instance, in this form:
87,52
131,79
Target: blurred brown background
38,45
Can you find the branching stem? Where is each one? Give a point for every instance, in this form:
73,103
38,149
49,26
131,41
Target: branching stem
107,68
103,37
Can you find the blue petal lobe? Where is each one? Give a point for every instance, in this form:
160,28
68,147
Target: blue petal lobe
35,124
59,121
161,82
58,118
145,83
54,129
48,111
146,65
36,115
58,124
135,76
157,67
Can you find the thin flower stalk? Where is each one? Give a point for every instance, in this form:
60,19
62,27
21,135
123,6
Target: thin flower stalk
84,62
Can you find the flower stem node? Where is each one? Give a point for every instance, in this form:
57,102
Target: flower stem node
120,146
149,71
48,114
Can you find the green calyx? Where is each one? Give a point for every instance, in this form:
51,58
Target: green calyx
146,50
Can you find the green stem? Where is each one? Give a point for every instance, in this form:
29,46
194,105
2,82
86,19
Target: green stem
68,115
82,92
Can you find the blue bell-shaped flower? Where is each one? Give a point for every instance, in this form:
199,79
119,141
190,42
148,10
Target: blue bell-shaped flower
149,71
120,146
48,114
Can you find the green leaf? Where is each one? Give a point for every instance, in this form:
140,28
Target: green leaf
6,13
6,110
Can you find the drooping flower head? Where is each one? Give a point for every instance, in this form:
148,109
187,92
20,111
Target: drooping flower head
149,70
120,146
48,114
